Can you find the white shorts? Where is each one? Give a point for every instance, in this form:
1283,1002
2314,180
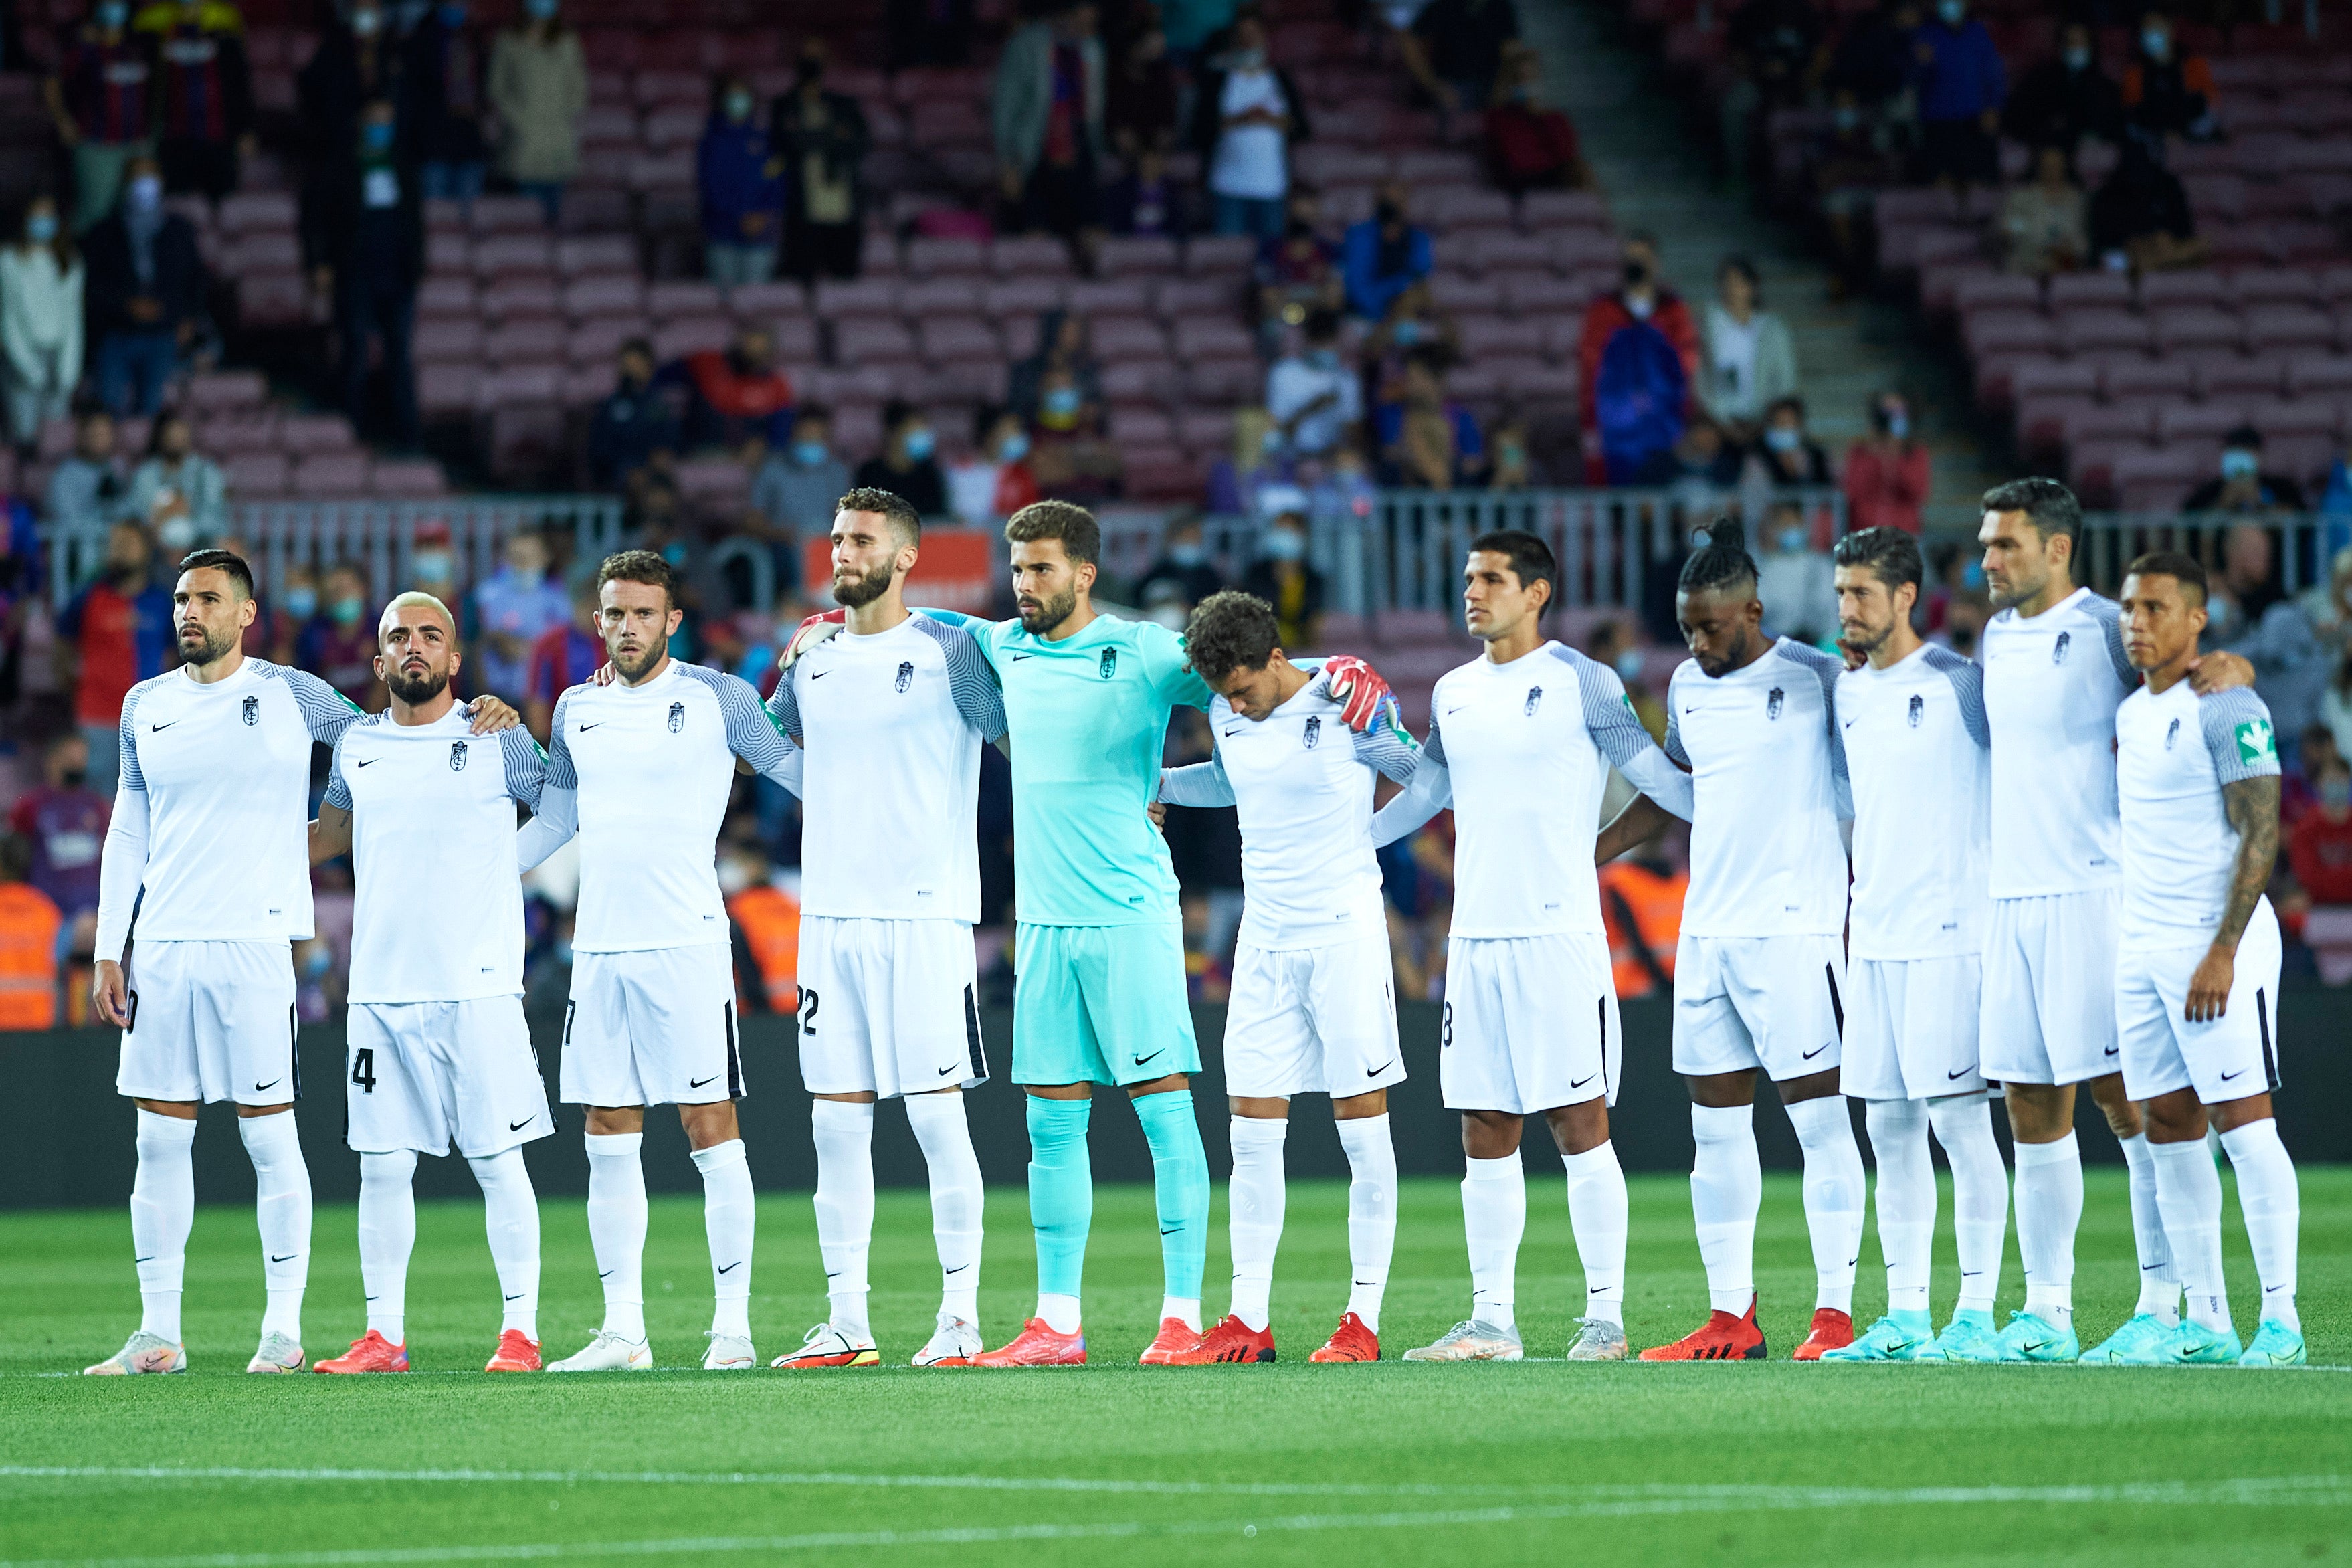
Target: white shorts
425,1074
1530,1024
1313,1020
211,1021
1771,1001
2049,1013
651,1027
889,1007
1911,1029
2231,1057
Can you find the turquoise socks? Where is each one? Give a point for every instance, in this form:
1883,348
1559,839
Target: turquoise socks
1062,1191
1180,1176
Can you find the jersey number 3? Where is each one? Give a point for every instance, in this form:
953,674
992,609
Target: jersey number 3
363,1068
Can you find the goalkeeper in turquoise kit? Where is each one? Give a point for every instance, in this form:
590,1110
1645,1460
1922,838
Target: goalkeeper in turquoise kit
1101,996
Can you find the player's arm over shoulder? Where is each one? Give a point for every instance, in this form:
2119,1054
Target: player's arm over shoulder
525,763
1616,731
1967,677
971,678
330,834
1168,665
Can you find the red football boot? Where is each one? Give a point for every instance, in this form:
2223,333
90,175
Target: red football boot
1228,1339
515,1353
1037,1344
370,1353
1173,1343
1721,1338
1831,1329
1350,1342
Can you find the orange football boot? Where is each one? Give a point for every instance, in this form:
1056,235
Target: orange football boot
1350,1342
1721,1338
370,1353
1038,1344
515,1353
1173,1342
1228,1339
1832,1330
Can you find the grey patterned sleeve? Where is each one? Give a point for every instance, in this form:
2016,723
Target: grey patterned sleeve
1673,744
2111,614
128,737
784,707
561,773
326,710
526,765
751,731
339,792
2238,735
1617,732
1967,677
971,679
1433,750
1388,749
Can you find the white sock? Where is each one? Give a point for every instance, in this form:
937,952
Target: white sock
1058,1311
1906,1197
2189,1196
1834,1195
511,1216
2273,1203
2049,1209
1257,1198
728,1218
940,1127
1596,1213
1963,1125
2159,1281
387,1236
163,1208
1726,1189
1493,1218
1371,1213
281,1209
617,1227
845,1207
1185,1309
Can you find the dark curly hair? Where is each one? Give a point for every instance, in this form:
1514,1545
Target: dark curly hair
1230,630
1723,562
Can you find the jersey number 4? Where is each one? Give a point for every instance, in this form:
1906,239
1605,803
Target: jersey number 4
363,1068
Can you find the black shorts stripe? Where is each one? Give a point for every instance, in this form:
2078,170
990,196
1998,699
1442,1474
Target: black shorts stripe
734,1057
2262,1022
294,1048
972,1034
1600,1006
1837,1007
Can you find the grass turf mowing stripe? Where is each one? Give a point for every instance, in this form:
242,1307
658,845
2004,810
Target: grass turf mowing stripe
2253,1492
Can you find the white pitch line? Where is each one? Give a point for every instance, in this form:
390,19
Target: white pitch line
2322,1490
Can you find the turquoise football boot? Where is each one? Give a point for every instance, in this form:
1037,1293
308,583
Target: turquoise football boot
2028,1338
2193,1344
1968,1337
2139,1342
2274,1344
1899,1336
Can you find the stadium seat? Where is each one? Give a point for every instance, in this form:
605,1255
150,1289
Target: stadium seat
2074,290
507,214
1028,296
1122,256
507,255
945,339
411,479
1124,339
257,474
2176,327
597,342
311,433
446,341
535,340
928,257
1212,339
603,295
684,335
675,299
2288,326
872,342
328,474
1028,256
517,298
1175,297
598,255
843,301
2097,329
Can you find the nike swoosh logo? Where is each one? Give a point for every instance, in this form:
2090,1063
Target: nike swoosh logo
585,728
819,674
1375,1072
737,1264
1817,1051
957,1270
1581,1082
1229,734
2146,1266
159,728
1019,657
518,1126
1962,1073
364,763
949,1068
2228,1076
1597,1289
273,1083
2112,1050
1172,1230
1140,1060
608,1274
151,1257
1450,712
698,1082
1970,1273
2272,1289
288,1257
517,1297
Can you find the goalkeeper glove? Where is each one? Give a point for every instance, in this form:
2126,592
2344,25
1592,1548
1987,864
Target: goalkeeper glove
809,634
1364,699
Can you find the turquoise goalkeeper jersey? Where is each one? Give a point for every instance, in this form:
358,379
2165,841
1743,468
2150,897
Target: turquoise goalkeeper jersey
1088,721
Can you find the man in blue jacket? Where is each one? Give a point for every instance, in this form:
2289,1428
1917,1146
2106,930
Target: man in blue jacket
1958,74
741,179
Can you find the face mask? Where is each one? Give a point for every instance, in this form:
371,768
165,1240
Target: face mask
739,105
347,611
432,565
1062,400
41,228
2076,58
1270,443
366,24
145,193
1792,540
1511,452
301,603
1629,666
1972,575
376,136
920,443
1951,11
808,453
1407,333
1897,424
1780,439
176,532
1013,448
74,778
2335,794
807,72
1190,554
1640,305
2239,465
674,553
1284,544
538,10
2157,42
112,15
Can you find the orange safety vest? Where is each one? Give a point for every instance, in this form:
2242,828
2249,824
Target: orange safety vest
1657,904
29,957
771,918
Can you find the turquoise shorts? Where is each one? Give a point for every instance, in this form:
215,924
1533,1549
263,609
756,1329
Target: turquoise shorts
1102,1004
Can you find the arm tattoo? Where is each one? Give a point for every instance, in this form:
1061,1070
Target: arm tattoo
2253,807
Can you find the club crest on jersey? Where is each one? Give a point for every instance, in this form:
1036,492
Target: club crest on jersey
1535,700
253,710
676,717
2058,649
1918,706
1772,701
1109,663
1313,733
457,756
2171,733
906,674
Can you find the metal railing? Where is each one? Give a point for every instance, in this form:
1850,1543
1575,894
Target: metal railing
2302,544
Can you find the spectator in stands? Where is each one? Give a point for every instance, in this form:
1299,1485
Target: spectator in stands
113,634
1298,272
634,426
1964,622
2140,217
1638,361
40,323
203,92
995,481
1062,345
1887,473
1140,108
1413,321
1529,145
741,181
444,74
2252,615
86,490
1250,114
1282,577
1147,202
908,465
1253,462
2167,92
793,494
736,398
562,658
64,819
1961,86
2047,221
1428,440
1515,468
824,140
1455,51
539,86
1343,493
1773,55
1386,254
1183,561
1750,361
356,63
32,933
2335,703
1848,170
1873,61
1314,396
1786,454
1072,455
338,644
100,98
1700,462
144,292
179,495
1794,580
2065,99
1048,122
294,599
2242,485
2319,851
364,237
513,608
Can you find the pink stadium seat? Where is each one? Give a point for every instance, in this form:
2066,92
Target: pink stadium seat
713,481
950,338
1129,338
507,214
2177,327
448,253
2312,374
2197,422
794,337
536,340
1220,256
1492,252
585,386
1322,164
1163,477
596,256
446,294
767,300
514,299
1575,250
446,341
1491,334
1987,331
256,475
2196,287
231,433
610,125
840,301
1983,288
2288,326
263,250
1543,210
2131,375
879,257
328,474
1212,339
1534,381
603,296
1228,380
1537,293
2074,290
2335,282
1459,291
407,478
276,299
684,335
940,257
2044,418
1026,296
970,381
872,342
518,386
2240,377
1460,210
1123,256
256,212
2253,286
1206,431
952,295
598,342
2101,329
1029,256
2158,479
510,254
653,86
672,125
301,432
675,298
1153,381
2071,378
671,171
597,209
1098,299
216,391
1174,298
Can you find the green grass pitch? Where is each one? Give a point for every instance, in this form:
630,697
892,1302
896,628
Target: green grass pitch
1540,1462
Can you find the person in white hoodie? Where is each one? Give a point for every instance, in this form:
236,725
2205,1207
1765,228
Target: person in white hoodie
40,322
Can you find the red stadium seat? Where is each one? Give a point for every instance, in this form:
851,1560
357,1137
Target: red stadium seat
1109,297
411,479
1220,256
603,296
940,257
677,298
511,299
951,296
332,474
838,300
684,335
1028,296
